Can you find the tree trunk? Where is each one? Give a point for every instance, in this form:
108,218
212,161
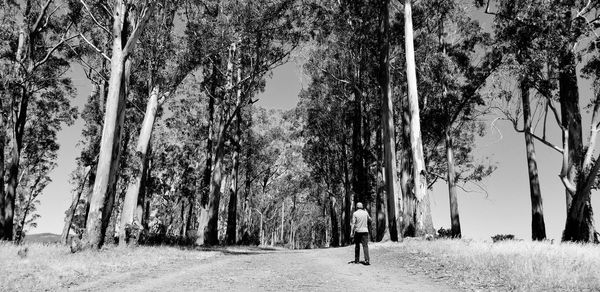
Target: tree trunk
141,203
210,224
206,178
209,218
108,161
111,224
11,190
233,191
347,213
2,193
190,217
358,170
538,228
423,217
112,200
131,197
579,225
13,172
380,203
261,231
453,199
111,130
247,211
381,206
571,116
2,147
387,119
89,194
233,200
407,228
282,220
72,209
183,219
7,202
335,234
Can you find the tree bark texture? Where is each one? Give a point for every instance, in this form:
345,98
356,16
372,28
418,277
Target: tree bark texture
73,208
108,161
9,195
141,202
335,234
13,169
2,193
210,227
579,225
236,140
453,198
131,198
423,217
109,144
387,119
571,116
347,206
538,227
206,178
359,172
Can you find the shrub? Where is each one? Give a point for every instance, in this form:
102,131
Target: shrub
444,233
502,237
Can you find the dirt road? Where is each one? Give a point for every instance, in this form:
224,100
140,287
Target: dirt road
281,270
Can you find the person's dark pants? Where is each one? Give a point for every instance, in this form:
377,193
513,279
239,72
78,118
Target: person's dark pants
361,238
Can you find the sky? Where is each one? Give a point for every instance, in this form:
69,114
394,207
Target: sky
505,207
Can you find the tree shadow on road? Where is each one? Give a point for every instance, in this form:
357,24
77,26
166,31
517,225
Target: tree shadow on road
239,250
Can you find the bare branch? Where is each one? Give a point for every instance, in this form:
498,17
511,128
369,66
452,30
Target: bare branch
565,164
50,15
583,11
136,107
333,76
94,47
88,65
87,8
38,22
555,112
56,46
545,142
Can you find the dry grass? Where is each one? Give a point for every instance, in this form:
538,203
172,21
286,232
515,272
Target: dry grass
473,265
54,267
508,265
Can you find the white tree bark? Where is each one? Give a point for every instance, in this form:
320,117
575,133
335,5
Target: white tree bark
419,177
113,119
133,190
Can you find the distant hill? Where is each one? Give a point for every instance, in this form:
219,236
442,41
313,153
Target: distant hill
42,238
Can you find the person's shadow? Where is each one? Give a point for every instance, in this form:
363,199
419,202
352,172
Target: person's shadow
361,262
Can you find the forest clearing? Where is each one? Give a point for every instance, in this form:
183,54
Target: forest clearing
413,265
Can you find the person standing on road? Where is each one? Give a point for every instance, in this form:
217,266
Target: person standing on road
360,229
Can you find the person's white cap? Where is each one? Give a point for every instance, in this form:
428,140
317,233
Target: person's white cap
359,205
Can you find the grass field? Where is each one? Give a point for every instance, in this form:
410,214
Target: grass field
471,265
53,267
506,265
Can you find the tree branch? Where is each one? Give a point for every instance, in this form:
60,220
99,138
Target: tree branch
137,31
565,164
333,76
547,143
89,66
38,22
53,49
87,8
94,47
